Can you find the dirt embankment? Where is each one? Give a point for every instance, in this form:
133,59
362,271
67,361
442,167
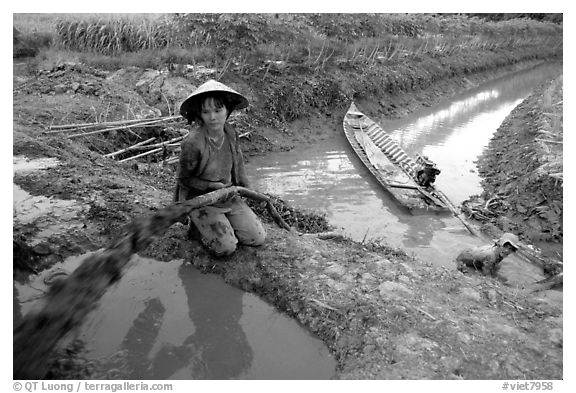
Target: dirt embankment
383,314
522,171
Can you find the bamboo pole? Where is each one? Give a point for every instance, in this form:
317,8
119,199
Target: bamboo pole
129,148
143,154
143,124
72,127
171,160
406,186
68,303
97,124
457,214
80,126
165,143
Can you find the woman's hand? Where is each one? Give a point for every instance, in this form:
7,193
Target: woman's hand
216,185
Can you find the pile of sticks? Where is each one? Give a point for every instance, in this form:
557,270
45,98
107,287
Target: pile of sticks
173,144
144,147
150,149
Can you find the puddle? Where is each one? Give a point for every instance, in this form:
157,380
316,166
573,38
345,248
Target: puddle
50,215
28,208
166,320
24,164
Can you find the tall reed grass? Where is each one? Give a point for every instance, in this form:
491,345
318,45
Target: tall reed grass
318,41
112,37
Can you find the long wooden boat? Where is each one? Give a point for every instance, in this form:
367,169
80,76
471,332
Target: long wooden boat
390,165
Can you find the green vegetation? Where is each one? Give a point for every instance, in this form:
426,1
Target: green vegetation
300,63
316,40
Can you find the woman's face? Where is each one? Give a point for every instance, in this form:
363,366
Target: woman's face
212,115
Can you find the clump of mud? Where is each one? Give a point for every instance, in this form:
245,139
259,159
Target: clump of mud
305,221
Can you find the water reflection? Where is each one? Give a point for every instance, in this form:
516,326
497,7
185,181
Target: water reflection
166,320
330,178
431,126
140,339
458,153
220,340
215,348
455,143
457,113
421,235
455,133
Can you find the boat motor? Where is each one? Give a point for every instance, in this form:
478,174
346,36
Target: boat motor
426,171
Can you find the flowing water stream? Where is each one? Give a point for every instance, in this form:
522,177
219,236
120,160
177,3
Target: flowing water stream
328,177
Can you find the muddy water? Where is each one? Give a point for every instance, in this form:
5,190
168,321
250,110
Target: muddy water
328,177
49,215
166,320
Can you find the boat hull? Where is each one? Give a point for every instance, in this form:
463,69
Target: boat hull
389,164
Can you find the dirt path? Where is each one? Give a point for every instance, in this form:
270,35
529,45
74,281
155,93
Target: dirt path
383,314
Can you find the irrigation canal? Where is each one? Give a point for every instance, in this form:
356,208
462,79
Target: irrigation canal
329,178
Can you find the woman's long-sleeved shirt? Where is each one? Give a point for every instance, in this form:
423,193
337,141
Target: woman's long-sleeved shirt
202,163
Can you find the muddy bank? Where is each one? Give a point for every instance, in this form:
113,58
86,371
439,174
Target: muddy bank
388,316
382,313
522,172
321,126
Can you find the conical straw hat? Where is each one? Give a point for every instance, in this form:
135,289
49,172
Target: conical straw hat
238,100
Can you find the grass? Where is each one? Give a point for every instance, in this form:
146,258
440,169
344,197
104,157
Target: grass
294,59
34,33
45,23
317,40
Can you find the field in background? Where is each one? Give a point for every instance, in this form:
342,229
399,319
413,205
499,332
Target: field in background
314,40
297,64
